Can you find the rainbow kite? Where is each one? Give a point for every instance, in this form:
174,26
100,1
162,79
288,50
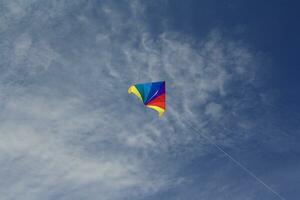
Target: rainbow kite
153,95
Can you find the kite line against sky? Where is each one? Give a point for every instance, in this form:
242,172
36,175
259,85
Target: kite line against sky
239,164
153,95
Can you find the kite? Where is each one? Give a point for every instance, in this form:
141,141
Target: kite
153,95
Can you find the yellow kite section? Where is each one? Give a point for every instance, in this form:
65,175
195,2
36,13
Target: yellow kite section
132,89
158,109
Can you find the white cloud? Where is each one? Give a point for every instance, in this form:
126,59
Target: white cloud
69,130
214,110
40,137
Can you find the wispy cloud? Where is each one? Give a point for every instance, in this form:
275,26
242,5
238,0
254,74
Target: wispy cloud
68,128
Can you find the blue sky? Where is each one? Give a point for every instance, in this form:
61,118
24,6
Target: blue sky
69,130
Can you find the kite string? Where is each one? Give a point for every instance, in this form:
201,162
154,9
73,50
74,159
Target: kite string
249,172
